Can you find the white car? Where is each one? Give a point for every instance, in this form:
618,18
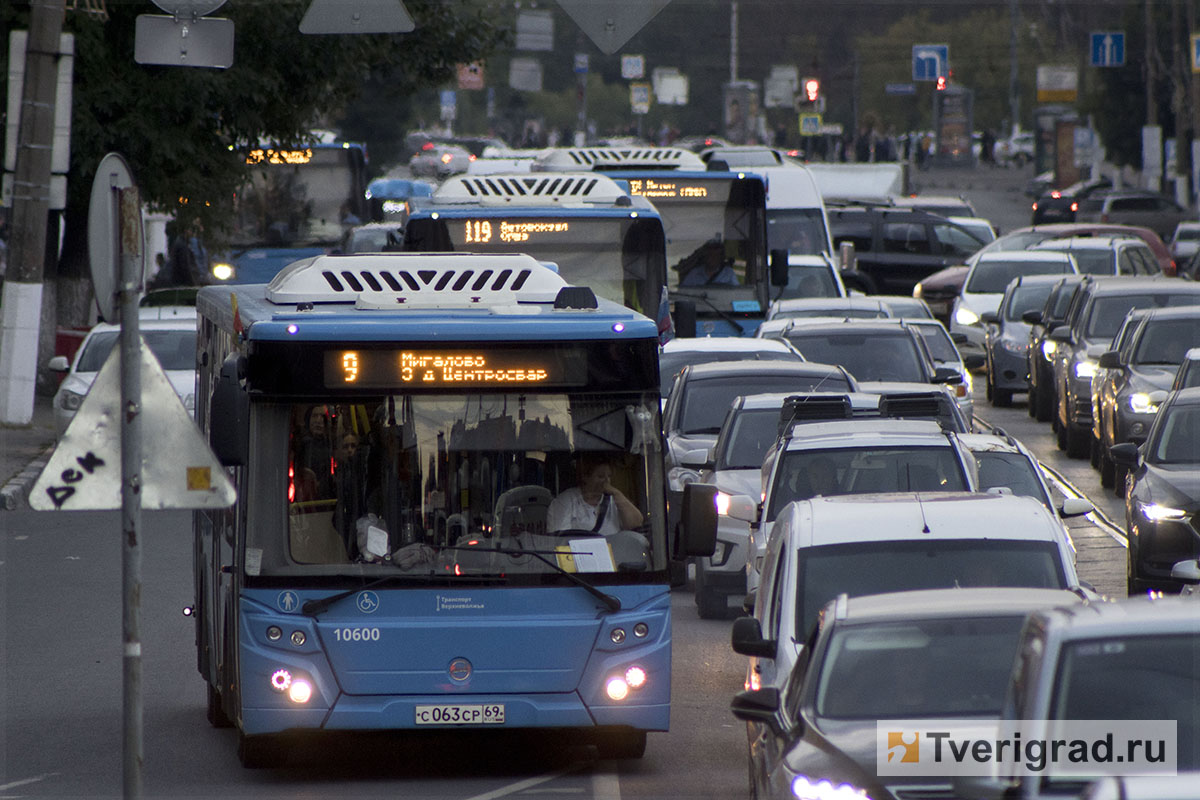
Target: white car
1185,241
1016,150
988,275
171,339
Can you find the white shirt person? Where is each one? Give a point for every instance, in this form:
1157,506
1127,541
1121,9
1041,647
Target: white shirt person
579,508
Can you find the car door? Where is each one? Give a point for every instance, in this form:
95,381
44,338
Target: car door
771,596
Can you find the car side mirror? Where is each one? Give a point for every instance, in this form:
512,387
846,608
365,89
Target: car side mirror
948,375
759,705
741,507
779,267
974,360
1124,454
1187,571
1075,507
697,459
747,639
1110,360
699,519
58,364
990,317
1033,317
1060,333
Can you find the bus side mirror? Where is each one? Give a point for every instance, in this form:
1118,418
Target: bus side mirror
779,267
229,415
698,520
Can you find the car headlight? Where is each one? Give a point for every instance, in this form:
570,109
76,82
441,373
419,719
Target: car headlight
222,271
806,788
69,401
1140,403
1085,369
679,477
1158,513
965,316
722,501
1048,348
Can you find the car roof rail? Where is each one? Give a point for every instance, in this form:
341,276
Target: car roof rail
913,404
813,408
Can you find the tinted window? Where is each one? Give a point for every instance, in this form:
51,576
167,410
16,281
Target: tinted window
1108,312
1026,298
1134,204
800,231
1094,262
1010,471
992,276
940,345
750,435
706,402
956,241
906,237
926,668
1166,341
868,357
861,568
857,231
803,474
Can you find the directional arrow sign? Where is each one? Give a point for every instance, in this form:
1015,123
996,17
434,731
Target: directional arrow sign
178,469
1108,49
611,23
930,62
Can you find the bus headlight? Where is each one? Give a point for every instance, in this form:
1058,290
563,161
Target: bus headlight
616,689
300,691
222,271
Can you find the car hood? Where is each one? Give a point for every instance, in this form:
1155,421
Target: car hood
980,302
183,381
1175,485
1148,377
681,443
1015,331
740,481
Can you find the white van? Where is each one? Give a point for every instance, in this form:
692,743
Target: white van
796,218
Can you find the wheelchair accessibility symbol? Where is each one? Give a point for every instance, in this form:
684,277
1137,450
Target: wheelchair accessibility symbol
287,601
367,602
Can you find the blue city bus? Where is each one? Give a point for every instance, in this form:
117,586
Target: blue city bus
586,224
715,222
400,428
297,204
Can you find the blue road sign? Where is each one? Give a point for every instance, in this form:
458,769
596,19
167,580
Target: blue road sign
931,61
1108,49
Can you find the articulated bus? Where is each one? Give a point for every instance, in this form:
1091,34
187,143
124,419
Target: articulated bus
592,229
716,229
403,430
297,204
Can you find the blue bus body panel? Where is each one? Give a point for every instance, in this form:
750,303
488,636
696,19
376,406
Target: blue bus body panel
545,653
467,211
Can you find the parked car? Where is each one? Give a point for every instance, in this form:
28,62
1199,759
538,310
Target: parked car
1105,254
1185,241
875,543
1125,660
984,287
172,340
1006,339
1096,313
1040,368
1060,205
1162,497
897,248
1152,210
942,653
1135,376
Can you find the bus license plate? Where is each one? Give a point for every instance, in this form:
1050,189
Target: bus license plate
486,714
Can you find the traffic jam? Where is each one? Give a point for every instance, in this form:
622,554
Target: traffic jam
514,425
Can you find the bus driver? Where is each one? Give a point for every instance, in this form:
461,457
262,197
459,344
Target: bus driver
595,505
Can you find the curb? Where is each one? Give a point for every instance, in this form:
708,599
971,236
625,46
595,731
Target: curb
14,493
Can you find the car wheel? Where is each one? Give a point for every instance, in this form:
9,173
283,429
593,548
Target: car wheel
1045,405
1107,469
216,713
1133,586
1077,441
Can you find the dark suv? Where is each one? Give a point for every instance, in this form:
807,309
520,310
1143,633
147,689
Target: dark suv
1151,210
897,248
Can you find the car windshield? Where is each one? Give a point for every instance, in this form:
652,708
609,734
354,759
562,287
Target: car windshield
910,307
860,568
990,276
750,434
1013,471
808,280
1132,677
1108,312
1166,341
881,356
1092,261
938,340
924,668
174,349
669,363
800,231
1026,298
705,402
803,474
1178,433
832,311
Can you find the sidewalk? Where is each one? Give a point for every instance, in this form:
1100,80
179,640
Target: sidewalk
24,450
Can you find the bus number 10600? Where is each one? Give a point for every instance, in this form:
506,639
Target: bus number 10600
356,634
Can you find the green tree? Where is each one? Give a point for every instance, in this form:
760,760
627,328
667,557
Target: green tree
184,130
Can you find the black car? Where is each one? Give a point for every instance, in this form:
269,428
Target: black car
897,248
1162,498
1060,205
1040,354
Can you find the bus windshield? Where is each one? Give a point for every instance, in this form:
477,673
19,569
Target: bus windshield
438,485
620,257
300,196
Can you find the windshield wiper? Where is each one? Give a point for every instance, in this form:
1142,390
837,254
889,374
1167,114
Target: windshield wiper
613,603
311,608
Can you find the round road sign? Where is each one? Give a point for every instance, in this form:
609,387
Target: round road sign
104,231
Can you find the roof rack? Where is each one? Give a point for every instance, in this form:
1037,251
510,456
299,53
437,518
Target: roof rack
813,408
913,404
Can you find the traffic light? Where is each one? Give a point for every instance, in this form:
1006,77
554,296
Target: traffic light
941,83
812,89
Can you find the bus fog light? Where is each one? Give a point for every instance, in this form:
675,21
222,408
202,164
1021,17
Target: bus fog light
298,638
617,688
617,635
300,691
635,677
274,634
641,630
281,679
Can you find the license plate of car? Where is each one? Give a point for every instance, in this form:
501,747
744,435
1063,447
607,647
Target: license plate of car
459,714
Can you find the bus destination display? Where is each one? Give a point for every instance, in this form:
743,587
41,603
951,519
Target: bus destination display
483,231
442,368
657,189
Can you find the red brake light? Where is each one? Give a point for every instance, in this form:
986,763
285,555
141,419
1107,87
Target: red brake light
1056,194
427,146
1074,206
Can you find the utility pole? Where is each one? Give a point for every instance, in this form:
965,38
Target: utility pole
1014,85
733,41
20,317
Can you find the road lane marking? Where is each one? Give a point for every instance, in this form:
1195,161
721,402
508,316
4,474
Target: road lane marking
1096,516
606,786
25,781
520,786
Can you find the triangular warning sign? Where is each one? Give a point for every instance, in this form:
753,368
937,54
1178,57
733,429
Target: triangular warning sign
611,23
357,16
178,469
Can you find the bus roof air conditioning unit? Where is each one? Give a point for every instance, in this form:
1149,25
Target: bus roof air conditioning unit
614,158
526,189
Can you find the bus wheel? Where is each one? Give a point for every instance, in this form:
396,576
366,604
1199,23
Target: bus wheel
621,743
216,713
256,752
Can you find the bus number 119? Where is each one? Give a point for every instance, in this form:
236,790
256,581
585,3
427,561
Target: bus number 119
478,232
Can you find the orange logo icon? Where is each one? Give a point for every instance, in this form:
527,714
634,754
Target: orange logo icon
904,747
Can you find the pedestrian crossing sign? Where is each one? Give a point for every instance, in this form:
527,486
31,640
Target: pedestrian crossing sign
810,124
